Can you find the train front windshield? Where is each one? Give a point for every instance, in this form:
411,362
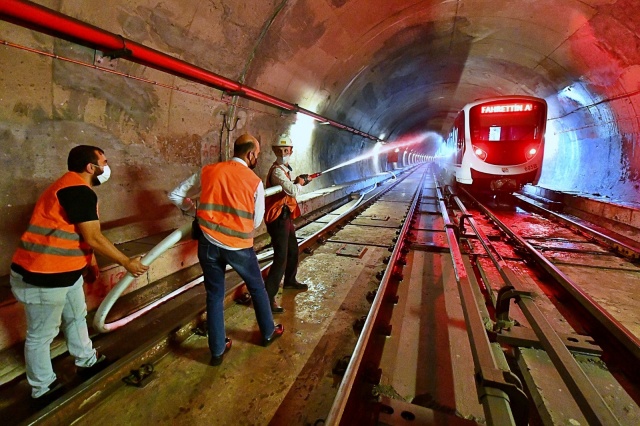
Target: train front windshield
507,132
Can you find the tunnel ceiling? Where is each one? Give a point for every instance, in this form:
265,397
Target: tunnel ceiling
396,67
390,68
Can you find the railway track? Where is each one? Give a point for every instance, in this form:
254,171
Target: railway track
405,321
567,289
143,346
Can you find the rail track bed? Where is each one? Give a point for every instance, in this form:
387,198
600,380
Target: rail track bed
419,311
584,285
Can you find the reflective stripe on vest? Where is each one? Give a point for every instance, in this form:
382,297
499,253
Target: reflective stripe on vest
227,206
51,244
274,203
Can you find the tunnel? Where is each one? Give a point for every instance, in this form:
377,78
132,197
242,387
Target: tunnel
164,88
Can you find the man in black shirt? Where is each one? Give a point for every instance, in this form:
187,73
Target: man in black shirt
47,269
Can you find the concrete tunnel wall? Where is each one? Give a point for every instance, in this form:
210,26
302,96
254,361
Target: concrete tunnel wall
154,137
398,70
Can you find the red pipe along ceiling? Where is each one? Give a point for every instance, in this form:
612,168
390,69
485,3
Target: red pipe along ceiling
42,19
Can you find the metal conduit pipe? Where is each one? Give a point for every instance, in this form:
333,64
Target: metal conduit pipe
48,21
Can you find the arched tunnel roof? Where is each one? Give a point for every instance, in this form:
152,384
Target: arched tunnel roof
387,68
402,66
397,68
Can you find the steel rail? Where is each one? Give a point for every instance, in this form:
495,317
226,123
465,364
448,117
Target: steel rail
619,331
100,317
589,400
343,396
489,378
619,246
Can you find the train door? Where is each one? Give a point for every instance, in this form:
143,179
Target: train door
459,137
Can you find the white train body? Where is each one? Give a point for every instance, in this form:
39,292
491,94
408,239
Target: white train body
497,144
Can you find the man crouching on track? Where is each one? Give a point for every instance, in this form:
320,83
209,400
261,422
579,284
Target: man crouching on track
231,207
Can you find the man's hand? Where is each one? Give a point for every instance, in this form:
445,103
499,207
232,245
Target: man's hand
303,179
91,233
188,205
135,267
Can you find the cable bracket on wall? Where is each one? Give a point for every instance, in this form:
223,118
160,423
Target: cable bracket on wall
109,59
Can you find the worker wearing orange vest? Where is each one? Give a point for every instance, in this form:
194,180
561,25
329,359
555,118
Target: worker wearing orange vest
48,266
231,207
281,209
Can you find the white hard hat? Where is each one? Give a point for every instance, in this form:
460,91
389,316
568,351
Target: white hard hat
283,140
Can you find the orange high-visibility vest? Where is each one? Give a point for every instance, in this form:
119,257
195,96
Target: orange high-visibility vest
51,244
273,204
227,203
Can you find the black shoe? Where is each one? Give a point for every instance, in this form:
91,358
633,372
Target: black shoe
217,360
266,341
100,364
56,389
275,308
245,299
296,286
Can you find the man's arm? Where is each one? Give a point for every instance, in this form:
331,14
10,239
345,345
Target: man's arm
180,195
280,178
92,234
259,210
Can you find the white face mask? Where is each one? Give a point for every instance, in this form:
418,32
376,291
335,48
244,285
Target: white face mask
283,160
106,174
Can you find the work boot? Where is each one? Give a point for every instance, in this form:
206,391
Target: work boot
100,364
296,286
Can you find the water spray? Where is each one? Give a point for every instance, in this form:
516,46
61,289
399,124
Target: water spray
373,153
308,177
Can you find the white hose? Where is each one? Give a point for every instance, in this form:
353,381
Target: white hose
272,190
118,289
169,241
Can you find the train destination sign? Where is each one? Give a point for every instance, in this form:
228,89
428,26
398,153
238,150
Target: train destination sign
493,109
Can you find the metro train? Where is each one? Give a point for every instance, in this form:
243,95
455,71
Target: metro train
497,144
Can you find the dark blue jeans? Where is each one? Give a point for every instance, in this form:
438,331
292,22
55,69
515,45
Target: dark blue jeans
214,260
285,253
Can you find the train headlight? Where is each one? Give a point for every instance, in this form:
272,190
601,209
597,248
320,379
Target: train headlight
530,153
480,153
